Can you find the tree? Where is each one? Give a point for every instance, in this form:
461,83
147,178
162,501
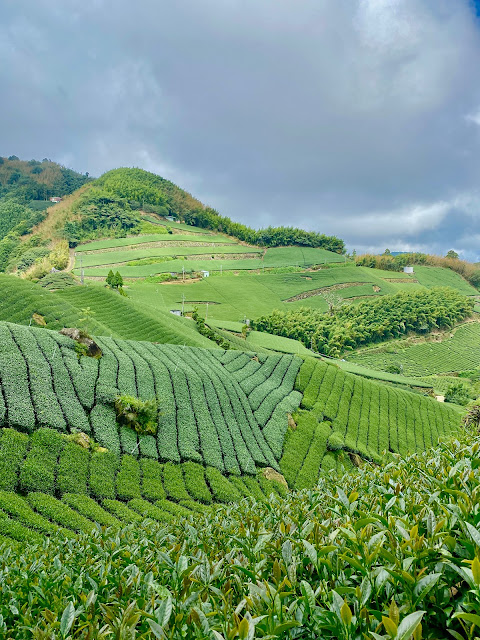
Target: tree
118,280
110,278
387,252
452,254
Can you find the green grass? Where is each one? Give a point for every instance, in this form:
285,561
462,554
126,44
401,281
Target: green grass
458,353
111,243
92,259
366,372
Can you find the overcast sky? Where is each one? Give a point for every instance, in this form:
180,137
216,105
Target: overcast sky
359,118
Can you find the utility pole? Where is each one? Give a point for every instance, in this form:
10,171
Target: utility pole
183,303
206,312
183,273
81,269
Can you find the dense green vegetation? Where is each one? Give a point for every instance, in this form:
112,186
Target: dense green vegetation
387,317
391,551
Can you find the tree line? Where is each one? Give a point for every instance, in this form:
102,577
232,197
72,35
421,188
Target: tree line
384,318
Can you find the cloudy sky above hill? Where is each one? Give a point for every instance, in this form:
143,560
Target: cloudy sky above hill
359,118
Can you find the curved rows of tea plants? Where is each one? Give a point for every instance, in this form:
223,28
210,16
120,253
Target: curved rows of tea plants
112,313
388,552
205,414
461,352
344,412
38,471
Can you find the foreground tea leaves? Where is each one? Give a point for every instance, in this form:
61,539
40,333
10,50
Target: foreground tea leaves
389,552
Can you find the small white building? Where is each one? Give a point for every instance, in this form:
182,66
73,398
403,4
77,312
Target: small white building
407,269
205,274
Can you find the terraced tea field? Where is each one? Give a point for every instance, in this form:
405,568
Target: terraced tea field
458,353
191,252
209,414
341,411
111,314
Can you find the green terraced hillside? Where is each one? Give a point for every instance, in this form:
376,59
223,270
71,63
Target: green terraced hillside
113,315
223,417
344,412
461,352
233,298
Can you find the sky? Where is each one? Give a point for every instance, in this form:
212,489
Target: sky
357,118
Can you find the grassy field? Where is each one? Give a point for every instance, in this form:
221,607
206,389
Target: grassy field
133,241
235,297
458,353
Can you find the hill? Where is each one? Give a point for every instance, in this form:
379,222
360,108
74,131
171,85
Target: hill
109,314
222,410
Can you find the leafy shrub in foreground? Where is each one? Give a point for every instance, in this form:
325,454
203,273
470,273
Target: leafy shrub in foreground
72,472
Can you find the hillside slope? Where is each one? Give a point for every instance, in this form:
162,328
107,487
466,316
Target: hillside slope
110,313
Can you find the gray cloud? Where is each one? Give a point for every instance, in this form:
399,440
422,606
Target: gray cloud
354,117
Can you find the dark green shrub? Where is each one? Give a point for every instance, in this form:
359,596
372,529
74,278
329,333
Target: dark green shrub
174,483
139,415
121,511
149,510
59,512
195,484
18,507
128,478
222,489
72,472
38,471
90,509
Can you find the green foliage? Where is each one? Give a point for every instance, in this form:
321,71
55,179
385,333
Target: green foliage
99,212
121,511
59,512
128,479
195,484
72,474
364,555
390,316
37,473
90,509
174,482
457,393
13,448
103,467
139,415
222,489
